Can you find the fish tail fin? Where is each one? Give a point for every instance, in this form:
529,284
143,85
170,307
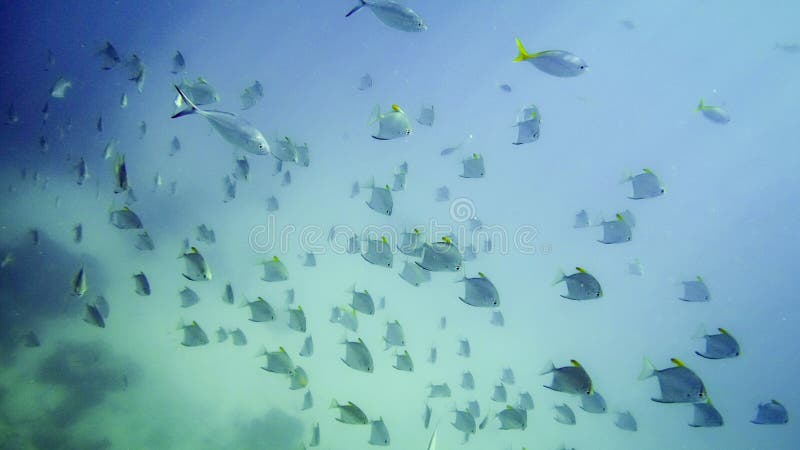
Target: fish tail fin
700,333
192,108
523,54
560,275
648,370
627,176
548,368
375,114
334,404
700,105
361,4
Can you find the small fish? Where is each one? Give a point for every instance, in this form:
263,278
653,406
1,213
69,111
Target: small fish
138,72
308,401
716,114
361,301
99,124
125,219
442,194
157,181
581,219
347,319
260,310
480,292
771,413
108,150
238,337
581,285
297,319
392,14
229,188
504,87
626,421
274,270
193,335
287,178
645,185
616,231
175,146
242,169
399,182
77,233
142,129
43,145
357,356
365,82
497,319
442,323
529,123
251,95
474,408
635,267
788,47
45,112
414,274
285,151
59,89
695,291
108,54
206,234
290,296
473,167
593,403
355,189
222,335
432,356
507,376
571,379
199,92
310,260
197,268
102,306
464,349
403,362
525,401
379,434
314,435
395,336
513,419
51,59
272,204
278,362
564,414
391,125
499,393
141,285
426,116
706,415
439,391
303,156
31,340
92,316
237,131
349,413
441,256
227,295
411,243
380,199
144,242
123,101
553,62
426,417
465,423
188,297
718,346
79,283
678,384
178,63
308,347
378,252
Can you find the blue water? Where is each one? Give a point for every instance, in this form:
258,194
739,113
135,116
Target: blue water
727,214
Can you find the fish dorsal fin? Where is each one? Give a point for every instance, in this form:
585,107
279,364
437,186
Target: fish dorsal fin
193,250
575,363
700,279
280,349
383,239
359,340
581,269
276,259
416,231
775,402
447,240
509,407
194,324
475,156
647,171
480,274
678,362
620,218
724,331
397,109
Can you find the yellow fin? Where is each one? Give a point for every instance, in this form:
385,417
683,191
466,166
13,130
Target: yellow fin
523,54
700,106
275,258
580,269
397,108
678,362
447,240
620,218
575,363
723,331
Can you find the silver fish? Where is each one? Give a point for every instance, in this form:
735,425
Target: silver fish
392,14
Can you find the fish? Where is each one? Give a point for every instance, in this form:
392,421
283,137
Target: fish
414,274
626,421
361,301
391,125
45,112
178,63
581,285
108,54
206,234
193,335
309,260
123,101
274,270
308,401
718,346
442,194
349,413
504,87
298,379
571,379
234,129
197,268
79,283
473,167
645,185
474,408
287,178
426,116
558,63
108,150
529,123
497,319
357,356
480,292
173,188
308,347
678,384
507,376
426,417
347,319
380,199
365,82
499,393
188,297
286,150
303,157
635,267
144,242
465,423
378,252
51,59
251,95
260,310
120,174
92,316
175,146
411,243
716,114
59,88
513,418
525,401
141,284
77,233
314,435
771,413
439,391
432,356
593,403
278,362
564,414
706,415
392,14
403,362
395,336
441,256
616,231
125,219
138,72
464,349
199,92
222,335
12,117
102,306
297,319
227,295
142,129
399,182
379,434
695,291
